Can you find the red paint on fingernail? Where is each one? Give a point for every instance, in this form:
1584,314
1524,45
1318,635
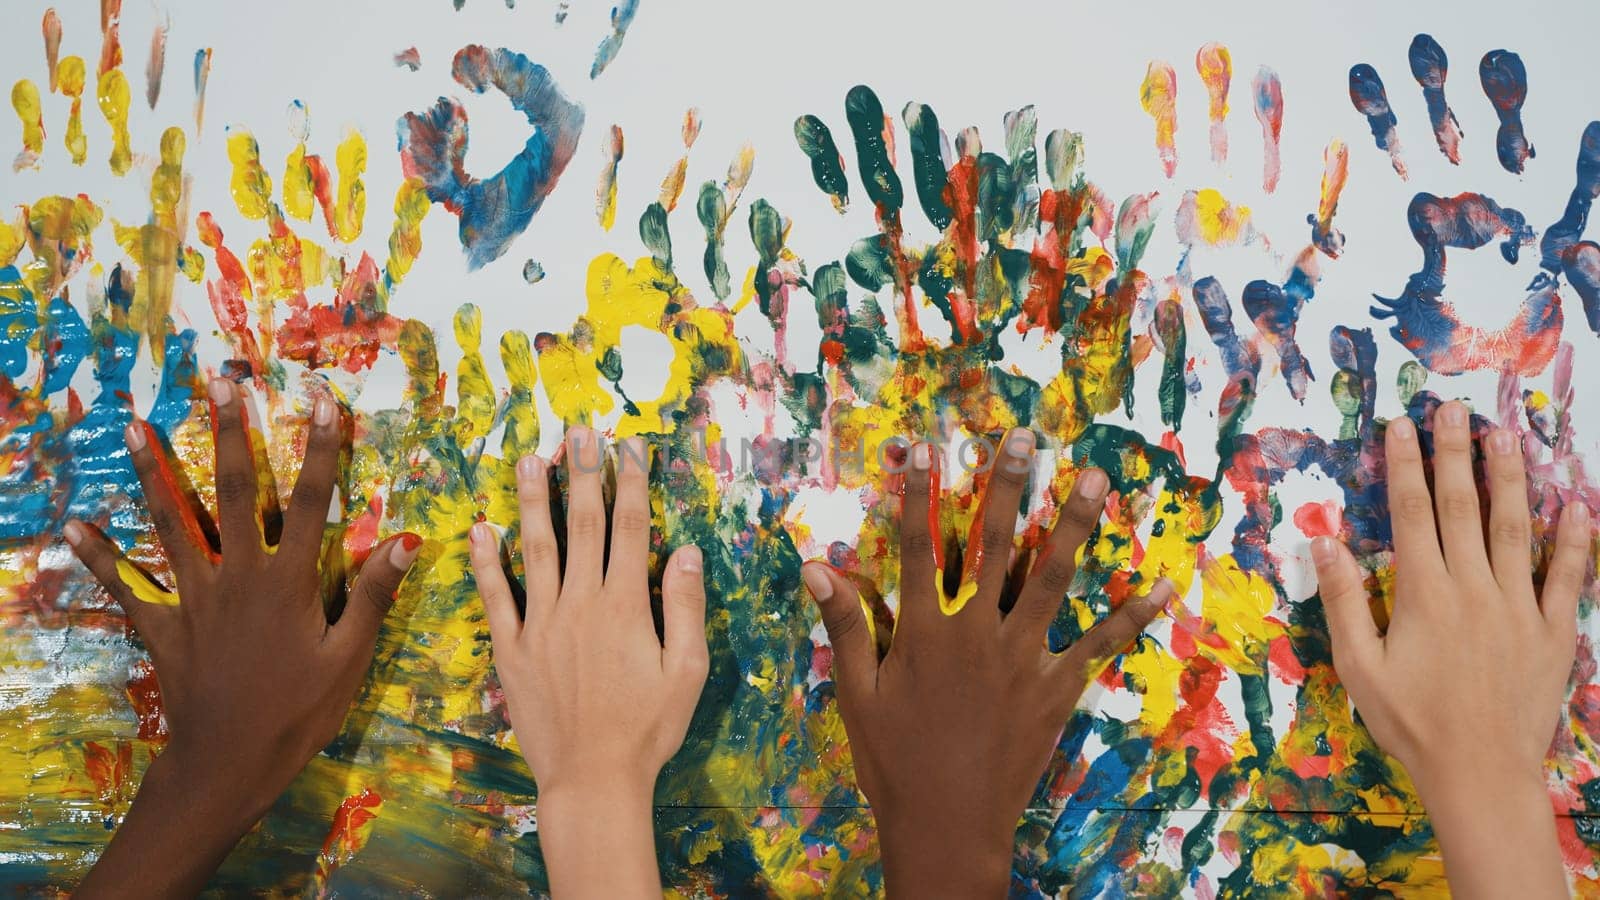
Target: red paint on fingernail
410,542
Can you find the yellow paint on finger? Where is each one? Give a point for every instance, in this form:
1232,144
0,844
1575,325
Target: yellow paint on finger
350,212
72,74
25,100
251,185
951,605
142,587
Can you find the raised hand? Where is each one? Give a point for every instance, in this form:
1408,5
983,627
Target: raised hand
1464,687
952,728
254,678
598,702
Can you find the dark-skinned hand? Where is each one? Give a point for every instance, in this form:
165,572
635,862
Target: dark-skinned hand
254,679
951,730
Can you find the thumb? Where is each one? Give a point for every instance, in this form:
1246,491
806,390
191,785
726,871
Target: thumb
1344,600
375,588
683,618
855,655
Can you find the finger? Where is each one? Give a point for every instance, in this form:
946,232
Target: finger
499,603
1510,536
1569,565
1344,603
683,620
185,544
1051,576
236,472
374,591
148,606
1410,507
855,655
301,547
994,531
541,557
586,511
629,563
919,517
1455,492
1082,662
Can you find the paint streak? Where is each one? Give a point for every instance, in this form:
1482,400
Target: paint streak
408,58
351,829
1159,97
1563,250
1431,67
1505,83
1206,217
110,40
827,163
25,100
714,208
113,97
202,75
156,65
605,196
71,74
1426,324
621,20
1215,65
433,148
51,29
1371,100
1335,172
1267,92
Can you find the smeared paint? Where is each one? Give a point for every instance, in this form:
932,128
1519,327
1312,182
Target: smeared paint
532,272
110,37
1563,250
202,75
621,20
71,75
1427,325
827,163
1215,66
433,148
1267,92
408,58
156,65
714,207
605,198
1430,67
1159,97
1335,172
1372,101
51,28
112,94
1505,83
25,100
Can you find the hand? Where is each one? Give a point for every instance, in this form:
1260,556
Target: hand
1465,687
254,680
598,702
953,728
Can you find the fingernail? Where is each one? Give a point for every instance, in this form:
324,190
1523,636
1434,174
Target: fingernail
689,559
817,582
1091,484
1163,588
1579,513
405,551
134,434
1453,414
322,412
221,391
1501,441
578,436
1019,443
1402,428
1323,551
530,467
73,532
479,534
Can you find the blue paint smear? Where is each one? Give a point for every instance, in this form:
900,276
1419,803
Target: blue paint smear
1505,82
1430,67
1275,310
621,18
433,146
1216,312
1467,222
1562,243
1372,101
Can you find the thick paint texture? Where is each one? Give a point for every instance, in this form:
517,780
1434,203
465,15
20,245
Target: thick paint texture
1220,756
1372,100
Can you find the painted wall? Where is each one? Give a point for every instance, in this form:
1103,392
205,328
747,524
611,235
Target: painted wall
1183,243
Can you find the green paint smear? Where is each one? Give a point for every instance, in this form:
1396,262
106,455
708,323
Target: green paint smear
827,170
865,113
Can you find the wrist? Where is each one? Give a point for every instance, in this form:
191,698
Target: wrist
235,797
943,856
